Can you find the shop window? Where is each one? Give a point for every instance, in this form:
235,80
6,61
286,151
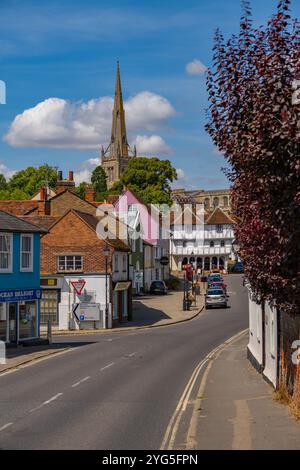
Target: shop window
27,327
70,263
27,253
49,306
6,242
3,324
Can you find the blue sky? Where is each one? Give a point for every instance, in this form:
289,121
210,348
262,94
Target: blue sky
68,50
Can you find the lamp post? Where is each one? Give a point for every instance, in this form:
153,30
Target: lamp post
106,252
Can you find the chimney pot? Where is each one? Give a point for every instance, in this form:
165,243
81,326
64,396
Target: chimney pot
71,175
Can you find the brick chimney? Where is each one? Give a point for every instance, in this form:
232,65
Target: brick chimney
89,194
65,184
43,203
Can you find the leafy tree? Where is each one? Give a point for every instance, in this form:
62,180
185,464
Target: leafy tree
98,180
30,180
3,183
150,178
253,122
81,189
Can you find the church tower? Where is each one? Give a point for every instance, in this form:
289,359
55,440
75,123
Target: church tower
118,154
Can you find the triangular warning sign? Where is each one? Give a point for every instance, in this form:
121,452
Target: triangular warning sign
78,285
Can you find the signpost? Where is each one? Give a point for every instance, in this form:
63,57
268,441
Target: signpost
78,286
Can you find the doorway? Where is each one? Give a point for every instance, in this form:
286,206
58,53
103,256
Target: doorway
12,322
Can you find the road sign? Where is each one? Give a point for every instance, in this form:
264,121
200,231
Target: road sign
78,285
138,277
164,261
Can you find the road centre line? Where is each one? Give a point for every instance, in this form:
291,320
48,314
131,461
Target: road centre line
47,402
7,425
108,365
81,381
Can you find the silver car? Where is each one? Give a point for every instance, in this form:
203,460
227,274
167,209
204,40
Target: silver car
215,298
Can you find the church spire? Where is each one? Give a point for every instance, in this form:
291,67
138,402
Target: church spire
118,145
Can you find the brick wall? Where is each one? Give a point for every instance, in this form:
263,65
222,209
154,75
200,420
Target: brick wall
72,236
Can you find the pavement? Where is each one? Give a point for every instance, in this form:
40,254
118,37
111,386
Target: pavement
148,312
113,391
236,409
151,311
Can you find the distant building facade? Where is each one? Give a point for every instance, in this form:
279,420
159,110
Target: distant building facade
211,199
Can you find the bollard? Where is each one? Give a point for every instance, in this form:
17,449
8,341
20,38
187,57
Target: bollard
49,332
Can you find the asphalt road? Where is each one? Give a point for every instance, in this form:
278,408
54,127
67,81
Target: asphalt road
113,391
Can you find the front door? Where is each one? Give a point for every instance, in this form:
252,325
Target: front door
12,321
120,305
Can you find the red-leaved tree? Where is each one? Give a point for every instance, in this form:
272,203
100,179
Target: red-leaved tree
254,120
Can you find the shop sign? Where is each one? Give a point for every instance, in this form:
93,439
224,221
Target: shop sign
20,295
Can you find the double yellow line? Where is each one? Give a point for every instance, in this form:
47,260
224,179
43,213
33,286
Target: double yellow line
173,426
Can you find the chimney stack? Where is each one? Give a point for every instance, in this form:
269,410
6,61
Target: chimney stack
62,184
89,194
43,203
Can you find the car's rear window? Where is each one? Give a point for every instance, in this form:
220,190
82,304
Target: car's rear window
215,292
157,284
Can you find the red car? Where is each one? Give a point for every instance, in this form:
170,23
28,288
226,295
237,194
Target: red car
220,285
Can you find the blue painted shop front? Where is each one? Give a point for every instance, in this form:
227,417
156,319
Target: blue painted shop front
20,292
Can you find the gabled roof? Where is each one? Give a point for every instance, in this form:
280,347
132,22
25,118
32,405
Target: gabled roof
11,223
43,221
93,221
219,217
59,194
15,207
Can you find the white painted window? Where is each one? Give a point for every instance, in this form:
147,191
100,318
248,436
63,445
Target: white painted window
6,252
26,254
116,263
70,263
219,228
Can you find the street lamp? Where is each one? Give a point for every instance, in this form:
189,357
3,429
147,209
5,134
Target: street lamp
106,252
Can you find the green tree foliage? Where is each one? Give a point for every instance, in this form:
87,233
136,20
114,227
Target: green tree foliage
25,183
3,183
81,189
150,178
98,180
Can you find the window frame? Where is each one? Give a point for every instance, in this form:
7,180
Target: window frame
30,268
66,270
9,269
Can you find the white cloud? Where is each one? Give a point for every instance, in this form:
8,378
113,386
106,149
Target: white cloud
6,171
58,123
85,171
151,145
195,67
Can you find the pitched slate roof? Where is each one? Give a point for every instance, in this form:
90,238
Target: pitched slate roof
11,223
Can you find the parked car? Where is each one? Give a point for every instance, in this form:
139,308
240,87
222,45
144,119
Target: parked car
218,285
214,278
158,287
238,268
215,298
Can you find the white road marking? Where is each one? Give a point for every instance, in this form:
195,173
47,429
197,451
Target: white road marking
172,429
46,402
108,365
81,381
7,425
